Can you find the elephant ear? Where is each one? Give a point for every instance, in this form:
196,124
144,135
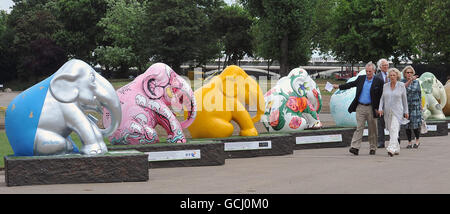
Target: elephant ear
64,88
152,87
156,80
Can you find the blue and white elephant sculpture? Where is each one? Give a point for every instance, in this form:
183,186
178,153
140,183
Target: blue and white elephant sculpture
339,103
40,119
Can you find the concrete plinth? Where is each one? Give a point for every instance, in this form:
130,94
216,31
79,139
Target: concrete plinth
265,144
192,153
327,137
128,166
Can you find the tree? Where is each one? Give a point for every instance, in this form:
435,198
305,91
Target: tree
8,59
233,23
37,53
321,23
46,58
181,31
361,31
282,30
422,29
123,27
80,34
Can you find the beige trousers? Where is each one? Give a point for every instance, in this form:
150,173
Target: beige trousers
363,114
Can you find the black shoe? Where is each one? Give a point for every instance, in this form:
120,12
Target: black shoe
380,146
415,146
372,152
354,151
409,146
390,154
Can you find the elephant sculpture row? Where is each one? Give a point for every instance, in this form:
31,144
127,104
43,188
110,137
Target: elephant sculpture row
40,119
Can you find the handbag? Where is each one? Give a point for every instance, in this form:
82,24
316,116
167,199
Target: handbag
423,127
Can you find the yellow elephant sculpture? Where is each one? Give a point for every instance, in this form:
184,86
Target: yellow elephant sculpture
446,109
223,99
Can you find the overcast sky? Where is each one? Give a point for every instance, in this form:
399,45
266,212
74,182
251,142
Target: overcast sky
5,4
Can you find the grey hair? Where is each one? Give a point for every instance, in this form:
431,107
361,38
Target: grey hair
399,75
380,61
371,64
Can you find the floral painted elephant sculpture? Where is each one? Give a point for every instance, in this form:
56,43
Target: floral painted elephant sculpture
435,96
339,103
145,103
40,119
223,99
446,109
293,104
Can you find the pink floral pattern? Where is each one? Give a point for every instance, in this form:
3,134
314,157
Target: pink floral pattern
295,122
273,118
297,104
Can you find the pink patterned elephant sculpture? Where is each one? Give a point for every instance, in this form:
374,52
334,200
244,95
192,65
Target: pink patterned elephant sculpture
145,103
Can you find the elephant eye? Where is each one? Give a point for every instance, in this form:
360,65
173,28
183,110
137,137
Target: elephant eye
92,78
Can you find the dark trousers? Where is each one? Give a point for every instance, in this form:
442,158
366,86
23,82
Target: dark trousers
380,127
409,134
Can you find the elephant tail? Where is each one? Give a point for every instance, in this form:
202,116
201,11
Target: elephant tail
75,148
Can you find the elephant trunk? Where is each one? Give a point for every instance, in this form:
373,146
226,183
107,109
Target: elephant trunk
108,99
190,106
190,113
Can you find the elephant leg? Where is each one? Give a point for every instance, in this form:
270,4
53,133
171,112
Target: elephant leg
312,121
150,134
51,143
137,133
172,127
177,135
244,121
222,128
169,122
98,137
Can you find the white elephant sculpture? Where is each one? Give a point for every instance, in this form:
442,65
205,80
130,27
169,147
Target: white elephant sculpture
293,104
40,119
435,96
446,109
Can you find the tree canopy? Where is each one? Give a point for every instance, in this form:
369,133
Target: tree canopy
282,30
38,36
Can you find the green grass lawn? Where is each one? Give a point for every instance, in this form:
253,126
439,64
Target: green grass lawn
5,148
118,83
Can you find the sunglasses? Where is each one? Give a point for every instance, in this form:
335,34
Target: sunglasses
409,72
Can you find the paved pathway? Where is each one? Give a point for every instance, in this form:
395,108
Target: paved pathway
332,170
6,98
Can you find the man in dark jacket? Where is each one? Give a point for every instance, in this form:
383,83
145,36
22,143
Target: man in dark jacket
368,93
383,67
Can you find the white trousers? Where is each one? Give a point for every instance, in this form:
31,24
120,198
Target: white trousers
393,146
